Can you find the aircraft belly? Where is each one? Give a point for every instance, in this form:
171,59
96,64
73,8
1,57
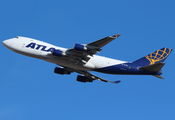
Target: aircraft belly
71,64
126,68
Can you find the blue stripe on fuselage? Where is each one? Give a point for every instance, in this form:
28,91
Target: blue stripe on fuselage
125,68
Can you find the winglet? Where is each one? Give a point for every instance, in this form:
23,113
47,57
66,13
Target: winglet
118,81
116,36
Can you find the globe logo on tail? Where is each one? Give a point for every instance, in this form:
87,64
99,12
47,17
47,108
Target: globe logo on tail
158,56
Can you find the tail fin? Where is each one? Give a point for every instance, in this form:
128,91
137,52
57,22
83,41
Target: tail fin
155,57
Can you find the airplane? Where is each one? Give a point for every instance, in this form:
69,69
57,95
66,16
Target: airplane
82,58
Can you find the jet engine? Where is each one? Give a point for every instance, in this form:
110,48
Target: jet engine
58,53
80,47
61,71
84,79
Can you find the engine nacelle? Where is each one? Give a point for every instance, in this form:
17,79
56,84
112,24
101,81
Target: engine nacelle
84,79
61,71
80,47
58,53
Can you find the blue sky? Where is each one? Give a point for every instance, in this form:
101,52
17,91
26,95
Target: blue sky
30,90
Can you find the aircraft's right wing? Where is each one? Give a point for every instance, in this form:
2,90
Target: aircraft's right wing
84,77
94,77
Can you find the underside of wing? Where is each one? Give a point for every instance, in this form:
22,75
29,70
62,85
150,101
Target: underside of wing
88,77
81,51
84,77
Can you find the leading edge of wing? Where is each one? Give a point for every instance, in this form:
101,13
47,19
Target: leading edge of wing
102,42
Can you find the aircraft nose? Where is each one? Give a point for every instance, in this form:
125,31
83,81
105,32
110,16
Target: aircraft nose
7,43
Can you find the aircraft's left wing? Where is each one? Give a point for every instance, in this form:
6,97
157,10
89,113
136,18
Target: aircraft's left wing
102,42
93,47
81,51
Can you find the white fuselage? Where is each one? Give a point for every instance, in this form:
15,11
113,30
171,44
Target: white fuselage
41,50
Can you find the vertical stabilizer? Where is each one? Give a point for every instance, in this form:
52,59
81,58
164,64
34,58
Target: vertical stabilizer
155,57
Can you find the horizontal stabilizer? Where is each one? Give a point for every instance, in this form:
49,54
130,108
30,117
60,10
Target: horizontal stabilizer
154,67
158,76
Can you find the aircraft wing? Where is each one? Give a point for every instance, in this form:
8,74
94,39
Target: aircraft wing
102,42
94,77
81,51
84,77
